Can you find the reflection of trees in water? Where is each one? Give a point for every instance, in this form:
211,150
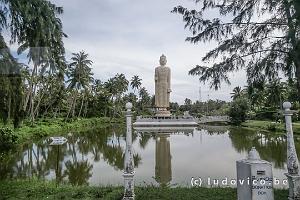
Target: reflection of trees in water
213,130
78,173
144,139
39,159
270,147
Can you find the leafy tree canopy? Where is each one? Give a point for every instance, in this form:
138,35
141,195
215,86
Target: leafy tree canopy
260,36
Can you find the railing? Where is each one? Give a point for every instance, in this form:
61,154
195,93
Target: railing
165,119
207,119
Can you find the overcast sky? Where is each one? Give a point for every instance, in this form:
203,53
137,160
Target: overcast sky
128,36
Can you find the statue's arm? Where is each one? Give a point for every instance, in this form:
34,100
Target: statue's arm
169,82
155,76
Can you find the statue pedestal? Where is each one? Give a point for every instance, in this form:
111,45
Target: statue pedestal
163,113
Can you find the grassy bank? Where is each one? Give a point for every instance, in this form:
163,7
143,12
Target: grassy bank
48,190
52,127
270,126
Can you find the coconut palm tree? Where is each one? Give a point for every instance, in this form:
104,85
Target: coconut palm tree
136,82
237,92
80,76
145,98
121,83
276,93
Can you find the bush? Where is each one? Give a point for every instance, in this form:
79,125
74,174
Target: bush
266,114
7,139
238,111
272,127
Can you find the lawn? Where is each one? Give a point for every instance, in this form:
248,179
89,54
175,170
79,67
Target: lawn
47,126
270,126
48,190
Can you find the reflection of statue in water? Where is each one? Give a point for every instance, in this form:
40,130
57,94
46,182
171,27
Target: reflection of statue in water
162,87
163,171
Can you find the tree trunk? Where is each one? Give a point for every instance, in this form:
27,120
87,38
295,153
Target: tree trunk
32,89
86,108
81,106
9,107
38,104
27,99
74,104
70,109
55,113
298,75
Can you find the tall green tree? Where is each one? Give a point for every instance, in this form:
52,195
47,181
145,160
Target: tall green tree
136,82
36,29
276,93
117,86
238,110
145,99
11,90
262,37
257,96
80,76
236,93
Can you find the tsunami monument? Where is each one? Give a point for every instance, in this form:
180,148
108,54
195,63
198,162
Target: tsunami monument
163,118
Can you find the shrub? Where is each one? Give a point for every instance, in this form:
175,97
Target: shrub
238,111
7,139
272,127
266,114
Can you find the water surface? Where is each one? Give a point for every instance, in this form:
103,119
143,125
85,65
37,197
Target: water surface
96,157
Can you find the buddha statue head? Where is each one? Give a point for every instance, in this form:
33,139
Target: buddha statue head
163,60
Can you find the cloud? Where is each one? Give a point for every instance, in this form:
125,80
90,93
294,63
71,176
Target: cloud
128,36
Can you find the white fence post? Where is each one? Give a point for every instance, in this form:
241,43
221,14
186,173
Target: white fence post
292,159
128,172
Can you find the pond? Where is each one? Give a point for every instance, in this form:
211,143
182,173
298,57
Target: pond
96,157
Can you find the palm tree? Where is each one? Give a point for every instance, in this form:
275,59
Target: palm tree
121,83
276,93
145,98
136,82
237,92
256,95
80,76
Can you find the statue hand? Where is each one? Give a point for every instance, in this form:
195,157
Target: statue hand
169,90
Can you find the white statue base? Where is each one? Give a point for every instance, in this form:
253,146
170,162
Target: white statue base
163,112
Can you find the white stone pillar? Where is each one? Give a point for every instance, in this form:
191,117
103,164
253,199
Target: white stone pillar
128,172
292,159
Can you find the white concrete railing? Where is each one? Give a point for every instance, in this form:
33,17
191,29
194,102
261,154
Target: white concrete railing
165,119
202,120
207,119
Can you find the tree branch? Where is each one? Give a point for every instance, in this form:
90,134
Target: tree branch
264,50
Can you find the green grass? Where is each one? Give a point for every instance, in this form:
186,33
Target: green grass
58,126
35,189
270,126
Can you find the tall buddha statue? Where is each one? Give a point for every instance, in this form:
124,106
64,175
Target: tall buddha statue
162,88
